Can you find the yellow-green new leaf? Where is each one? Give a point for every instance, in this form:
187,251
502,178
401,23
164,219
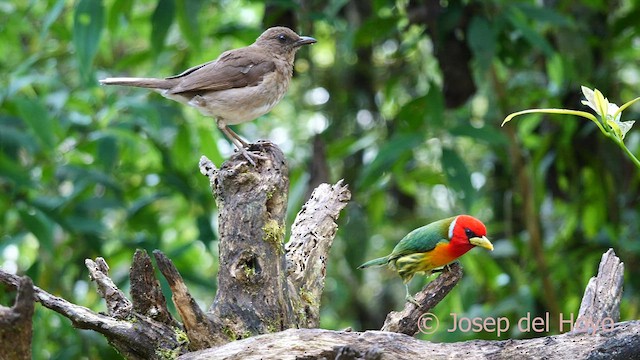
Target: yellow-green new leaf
583,114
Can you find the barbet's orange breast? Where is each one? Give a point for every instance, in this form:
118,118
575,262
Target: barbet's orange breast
441,255
411,264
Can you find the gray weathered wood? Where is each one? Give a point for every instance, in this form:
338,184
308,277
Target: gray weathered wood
307,251
601,299
137,337
623,342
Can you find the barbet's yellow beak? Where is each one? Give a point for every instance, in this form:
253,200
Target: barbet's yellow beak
482,242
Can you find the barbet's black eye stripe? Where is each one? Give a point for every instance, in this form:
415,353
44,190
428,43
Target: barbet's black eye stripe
470,234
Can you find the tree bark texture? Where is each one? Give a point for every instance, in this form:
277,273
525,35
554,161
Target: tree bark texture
602,296
16,323
253,296
410,320
621,343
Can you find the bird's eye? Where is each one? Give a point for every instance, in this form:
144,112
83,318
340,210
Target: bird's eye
282,38
470,234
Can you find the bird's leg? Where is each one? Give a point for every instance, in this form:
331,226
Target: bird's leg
238,142
235,138
448,266
410,298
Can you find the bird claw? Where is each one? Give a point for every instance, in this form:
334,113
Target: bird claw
412,300
251,154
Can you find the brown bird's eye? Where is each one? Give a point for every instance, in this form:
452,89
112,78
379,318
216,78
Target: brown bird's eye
282,38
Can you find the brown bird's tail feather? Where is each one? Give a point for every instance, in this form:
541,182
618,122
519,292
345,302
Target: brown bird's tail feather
150,83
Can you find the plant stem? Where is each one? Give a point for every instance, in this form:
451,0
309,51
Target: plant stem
629,153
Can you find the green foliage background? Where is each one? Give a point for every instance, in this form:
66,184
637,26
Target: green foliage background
401,99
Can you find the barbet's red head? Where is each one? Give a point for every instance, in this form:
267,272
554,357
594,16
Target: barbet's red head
466,232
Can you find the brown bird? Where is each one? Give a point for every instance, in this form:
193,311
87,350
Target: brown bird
239,86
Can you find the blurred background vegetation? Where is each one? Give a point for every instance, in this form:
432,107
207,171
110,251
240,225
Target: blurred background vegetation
401,99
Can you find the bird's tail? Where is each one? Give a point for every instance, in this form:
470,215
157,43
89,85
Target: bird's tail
375,262
150,83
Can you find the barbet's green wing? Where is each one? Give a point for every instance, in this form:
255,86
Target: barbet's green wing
410,255
422,239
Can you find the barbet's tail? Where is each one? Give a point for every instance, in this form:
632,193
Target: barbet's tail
375,262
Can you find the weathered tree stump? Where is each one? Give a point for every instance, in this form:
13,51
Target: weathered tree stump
263,285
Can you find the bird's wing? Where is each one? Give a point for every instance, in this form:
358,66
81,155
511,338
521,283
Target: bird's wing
233,69
420,240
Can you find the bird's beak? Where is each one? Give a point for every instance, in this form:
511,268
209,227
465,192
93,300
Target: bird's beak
482,242
304,40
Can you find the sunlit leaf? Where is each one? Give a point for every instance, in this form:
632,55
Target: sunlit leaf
583,114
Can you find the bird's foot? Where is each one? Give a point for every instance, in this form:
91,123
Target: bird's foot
412,300
251,154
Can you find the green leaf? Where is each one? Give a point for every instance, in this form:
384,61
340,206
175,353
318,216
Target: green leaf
13,172
375,30
583,114
107,152
37,118
482,41
187,11
426,111
118,9
624,106
519,20
161,21
39,225
394,149
487,134
88,21
14,139
458,175
544,14
51,17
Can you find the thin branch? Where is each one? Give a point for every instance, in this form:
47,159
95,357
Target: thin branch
119,306
411,319
201,331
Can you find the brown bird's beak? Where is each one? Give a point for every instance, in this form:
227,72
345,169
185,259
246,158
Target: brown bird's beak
482,242
304,40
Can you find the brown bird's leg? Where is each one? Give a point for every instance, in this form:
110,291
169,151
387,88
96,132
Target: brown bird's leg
238,142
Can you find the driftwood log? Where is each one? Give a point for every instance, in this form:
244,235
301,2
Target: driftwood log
268,301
